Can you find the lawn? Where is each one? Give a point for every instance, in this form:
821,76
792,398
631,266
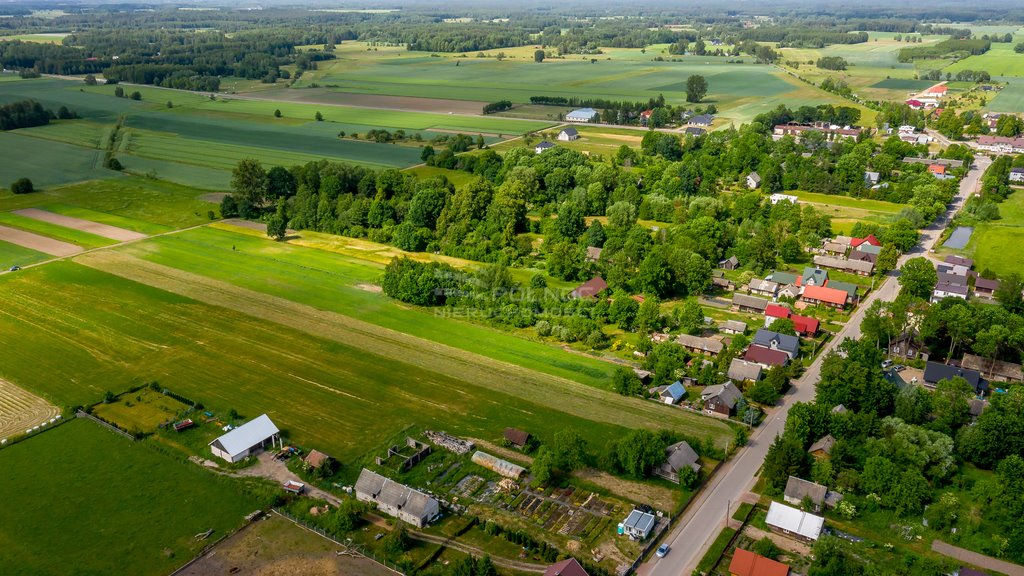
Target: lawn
91,502
145,202
846,211
14,255
73,332
141,411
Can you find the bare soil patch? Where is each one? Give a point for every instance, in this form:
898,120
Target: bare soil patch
369,287
38,243
275,546
21,410
410,103
104,230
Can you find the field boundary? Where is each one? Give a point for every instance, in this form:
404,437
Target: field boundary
107,425
324,534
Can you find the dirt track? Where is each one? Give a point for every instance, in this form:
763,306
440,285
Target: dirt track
21,410
104,230
37,242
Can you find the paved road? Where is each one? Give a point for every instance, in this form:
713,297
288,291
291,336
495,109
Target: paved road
706,515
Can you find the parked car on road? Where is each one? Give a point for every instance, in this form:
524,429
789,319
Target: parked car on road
662,551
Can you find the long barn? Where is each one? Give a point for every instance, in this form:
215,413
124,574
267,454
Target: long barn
246,440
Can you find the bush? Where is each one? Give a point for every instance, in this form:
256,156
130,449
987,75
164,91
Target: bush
22,186
114,164
765,547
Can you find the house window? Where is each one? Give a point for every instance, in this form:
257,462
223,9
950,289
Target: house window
896,349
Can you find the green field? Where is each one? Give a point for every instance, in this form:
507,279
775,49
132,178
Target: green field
990,241
1000,60
91,502
198,140
333,382
47,163
77,237
14,255
1010,98
740,91
148,203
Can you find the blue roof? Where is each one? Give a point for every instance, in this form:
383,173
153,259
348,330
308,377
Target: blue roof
784,342
676,390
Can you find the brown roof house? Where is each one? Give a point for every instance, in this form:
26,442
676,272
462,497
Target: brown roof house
721,398
745,303
998,371
590,288
798,489
700,345
823,447
677,457
316,459
567,567
517,437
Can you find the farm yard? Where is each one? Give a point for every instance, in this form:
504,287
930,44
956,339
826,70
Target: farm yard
83,492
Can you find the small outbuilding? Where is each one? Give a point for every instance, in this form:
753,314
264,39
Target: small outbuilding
516,437
638,525
798,489
581,115
248,439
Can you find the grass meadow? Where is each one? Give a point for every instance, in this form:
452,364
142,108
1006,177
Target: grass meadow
1000,60
333,382
990,240
140,204
47,163
14,255
77,237
1010,98
91,502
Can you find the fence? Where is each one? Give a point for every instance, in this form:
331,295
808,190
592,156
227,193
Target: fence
105,424
349,545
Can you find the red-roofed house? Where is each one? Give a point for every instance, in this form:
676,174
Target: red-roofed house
869,239
939,89
822,295
805,325
766,357
773,312
915,104
746,563
645,116
937,169
567,567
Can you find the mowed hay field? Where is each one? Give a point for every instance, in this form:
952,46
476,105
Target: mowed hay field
332,381
21,410
740,91
846,211
82,500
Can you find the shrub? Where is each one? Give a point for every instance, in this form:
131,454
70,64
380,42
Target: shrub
22,186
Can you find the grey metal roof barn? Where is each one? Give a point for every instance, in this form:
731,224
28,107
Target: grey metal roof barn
246,439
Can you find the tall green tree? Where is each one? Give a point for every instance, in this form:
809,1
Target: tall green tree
696,88
918,278
249,182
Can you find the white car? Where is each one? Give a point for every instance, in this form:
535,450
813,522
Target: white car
662,551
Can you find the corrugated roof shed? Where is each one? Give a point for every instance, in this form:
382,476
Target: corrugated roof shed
794,521
247,435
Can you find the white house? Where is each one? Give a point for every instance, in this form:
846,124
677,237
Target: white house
793,522
1017,175
247,439
568,135
397,500
753,180
949,290
543,146
778,197
581,115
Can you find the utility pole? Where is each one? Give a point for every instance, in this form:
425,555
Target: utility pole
728,506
